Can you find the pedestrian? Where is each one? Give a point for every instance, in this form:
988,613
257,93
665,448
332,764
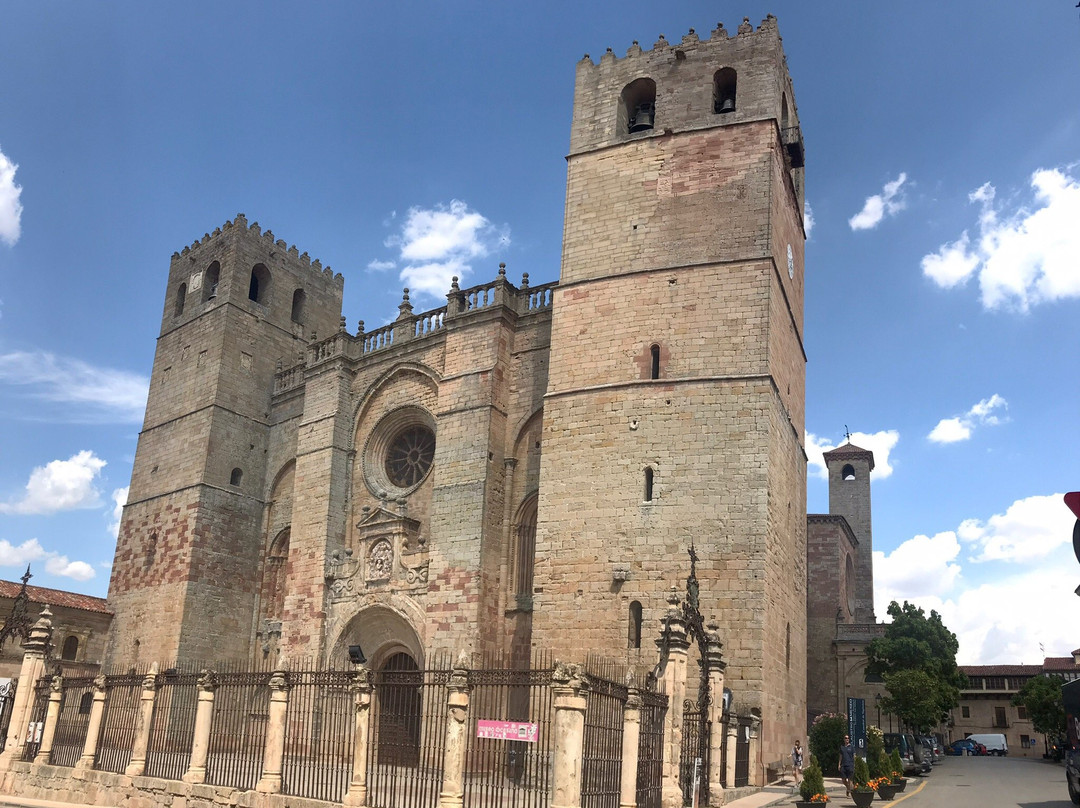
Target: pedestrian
847,764
796,760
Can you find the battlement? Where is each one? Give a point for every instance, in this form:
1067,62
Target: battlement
687,85
719,38
240,225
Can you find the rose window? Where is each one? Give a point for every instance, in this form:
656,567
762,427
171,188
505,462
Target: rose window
410,455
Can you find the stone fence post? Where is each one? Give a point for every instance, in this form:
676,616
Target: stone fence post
52,714
569,686
715,664
631,739
143,720
32,669
754,753
356,796
204,716
452,794
274,747
676,644
732,742
93,729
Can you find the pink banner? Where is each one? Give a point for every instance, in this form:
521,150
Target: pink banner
506,730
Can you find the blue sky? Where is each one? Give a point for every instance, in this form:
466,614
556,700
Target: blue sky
402,145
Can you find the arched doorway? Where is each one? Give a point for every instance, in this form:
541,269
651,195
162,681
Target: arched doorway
398,688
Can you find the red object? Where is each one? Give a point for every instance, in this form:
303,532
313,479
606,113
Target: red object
1072,499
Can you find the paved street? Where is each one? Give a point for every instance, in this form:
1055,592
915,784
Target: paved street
982,782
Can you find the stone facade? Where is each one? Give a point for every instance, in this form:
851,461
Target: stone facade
526,466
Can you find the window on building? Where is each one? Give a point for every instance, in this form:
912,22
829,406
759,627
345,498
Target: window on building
1021,712
724,82
85,703
525,548
637,109
181,296
1025,740
995,682
965,712
298,306
634,632
259,285
654,371
1000,719
211,278
235,477
648,484
847,472
70,649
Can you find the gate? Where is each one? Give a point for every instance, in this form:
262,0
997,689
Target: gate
742,754
7,703
72,721
34,727
694,755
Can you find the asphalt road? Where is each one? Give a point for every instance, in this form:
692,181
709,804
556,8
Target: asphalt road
990,782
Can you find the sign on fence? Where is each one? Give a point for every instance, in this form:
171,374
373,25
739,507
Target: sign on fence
506,730
33,732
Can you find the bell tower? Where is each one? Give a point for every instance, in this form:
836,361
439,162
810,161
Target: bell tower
237,304
674,411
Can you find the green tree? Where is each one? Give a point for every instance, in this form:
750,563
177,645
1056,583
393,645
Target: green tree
917,661
875,751
1041,696
813,782
860,778
826,735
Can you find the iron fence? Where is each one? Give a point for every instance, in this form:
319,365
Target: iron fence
408,738
742,753
172,727
7,703
72,722
122,695
238,729
510,773
650,771
694,755
36,723
601,767
319,734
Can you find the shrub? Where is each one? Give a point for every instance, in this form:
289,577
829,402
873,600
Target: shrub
897,763
861,777
826,737
813,782
875,749
884,765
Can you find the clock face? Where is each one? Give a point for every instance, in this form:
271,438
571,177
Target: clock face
790,263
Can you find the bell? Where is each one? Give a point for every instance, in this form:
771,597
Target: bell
727,105
643,118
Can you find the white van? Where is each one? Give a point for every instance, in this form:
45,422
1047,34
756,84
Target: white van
993,741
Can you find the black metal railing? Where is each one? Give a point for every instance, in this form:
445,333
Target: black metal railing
742,753
408,729
601,768
122,695
238,729
172,727
694,755
31,739
7,704
320,727
510,773
650,770
69,738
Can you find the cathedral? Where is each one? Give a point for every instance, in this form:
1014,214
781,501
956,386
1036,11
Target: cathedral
525,467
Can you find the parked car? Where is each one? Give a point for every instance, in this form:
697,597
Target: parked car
906,745
994,742
966,746
933,752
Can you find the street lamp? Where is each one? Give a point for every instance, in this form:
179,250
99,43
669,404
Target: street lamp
877,703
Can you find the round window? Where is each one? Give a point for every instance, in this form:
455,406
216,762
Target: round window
410,455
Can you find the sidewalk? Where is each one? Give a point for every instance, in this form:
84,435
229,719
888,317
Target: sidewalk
785,793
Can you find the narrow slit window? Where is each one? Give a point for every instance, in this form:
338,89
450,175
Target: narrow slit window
181,296
235,477
298,306
633,639
648,484
654,352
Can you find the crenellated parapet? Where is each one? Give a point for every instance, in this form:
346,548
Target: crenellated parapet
667,89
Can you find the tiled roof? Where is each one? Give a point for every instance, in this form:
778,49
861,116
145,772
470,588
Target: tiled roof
1059,663
850,450
55,597
1002,670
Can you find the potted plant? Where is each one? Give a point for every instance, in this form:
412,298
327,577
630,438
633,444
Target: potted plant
886,789
862,790
812,787
897,765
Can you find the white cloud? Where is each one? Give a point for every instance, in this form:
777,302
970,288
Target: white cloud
119,498
102,394
10,207
437,243
55,564
1023,257
919,567
958,428
1029,530
380,266
888,203
60,485
880,443
808,219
